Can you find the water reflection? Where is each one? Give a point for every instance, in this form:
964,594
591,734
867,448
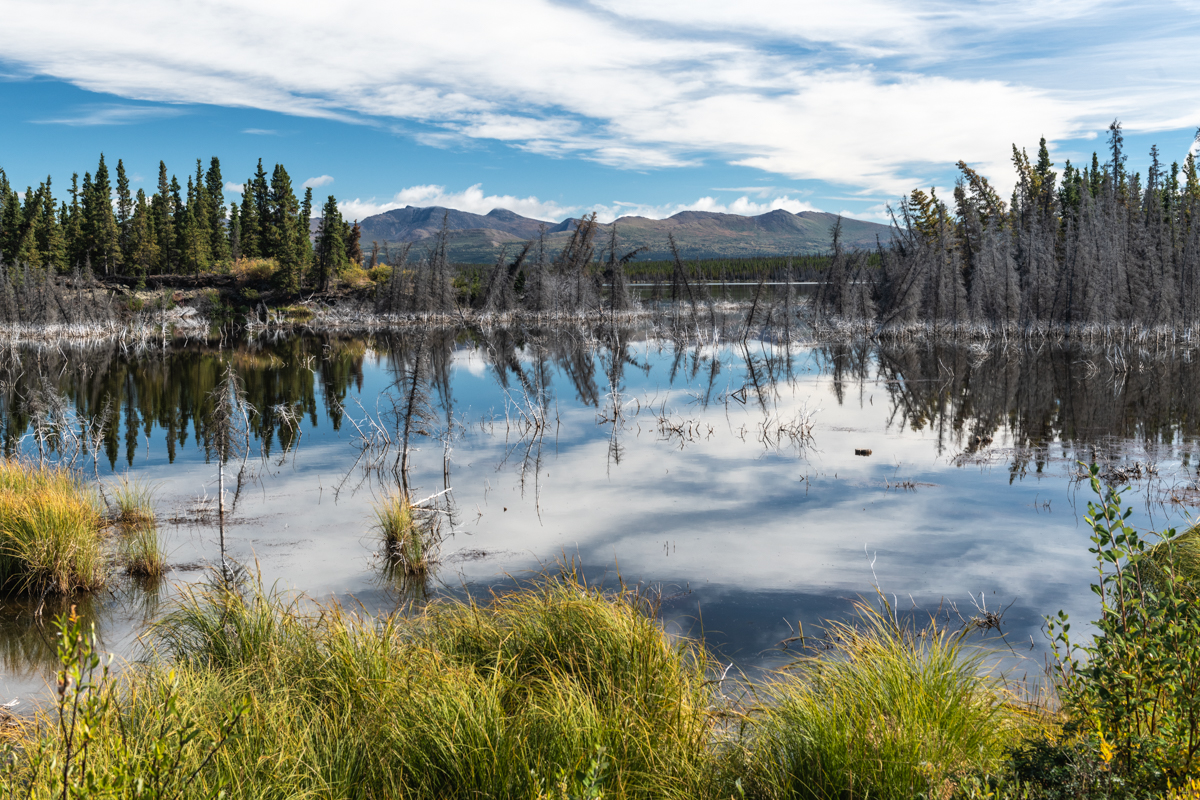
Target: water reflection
714,460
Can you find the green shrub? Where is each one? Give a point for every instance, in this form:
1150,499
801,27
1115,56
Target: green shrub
254,270
1134,691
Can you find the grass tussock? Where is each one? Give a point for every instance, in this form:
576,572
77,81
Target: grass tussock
132,502
893,712
410,544
142,552
50,530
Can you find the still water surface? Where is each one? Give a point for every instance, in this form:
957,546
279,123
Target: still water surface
722,474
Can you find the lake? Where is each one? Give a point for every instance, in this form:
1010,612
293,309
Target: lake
755,485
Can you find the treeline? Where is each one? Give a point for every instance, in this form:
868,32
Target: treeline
1097,245
107,230
716,270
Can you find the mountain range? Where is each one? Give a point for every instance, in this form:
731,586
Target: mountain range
478,238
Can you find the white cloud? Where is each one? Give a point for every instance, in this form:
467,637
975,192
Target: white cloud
471,199
317,182
475,201
260,132
236,188
742,205
876,94
111,114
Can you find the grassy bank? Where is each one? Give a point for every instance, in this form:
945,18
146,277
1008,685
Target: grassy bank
558,690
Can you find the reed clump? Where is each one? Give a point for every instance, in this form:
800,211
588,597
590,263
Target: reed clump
894,711
410,544
142,552
139,547
51,528
132,501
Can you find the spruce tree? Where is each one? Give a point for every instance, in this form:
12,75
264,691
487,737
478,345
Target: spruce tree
260,195
330,251
163,211
51,240
279,229
73,228
193,233
100,224
304,238
177,209
354,245
235,232
143,248
248,239
11,220
27,253
124,207
219,235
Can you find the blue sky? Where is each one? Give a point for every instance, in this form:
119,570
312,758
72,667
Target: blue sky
554,109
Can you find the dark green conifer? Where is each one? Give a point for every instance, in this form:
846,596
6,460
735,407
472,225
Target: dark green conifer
143,247
100,224
215,186
51,239
163,211
124,208
73,228
330,252
248,237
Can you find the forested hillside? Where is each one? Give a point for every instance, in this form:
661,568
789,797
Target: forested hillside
1092,245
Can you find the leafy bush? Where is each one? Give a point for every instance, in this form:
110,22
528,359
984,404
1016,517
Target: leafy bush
1134,692
254,270
355,276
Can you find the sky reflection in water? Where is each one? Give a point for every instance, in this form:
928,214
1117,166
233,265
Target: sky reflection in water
675,466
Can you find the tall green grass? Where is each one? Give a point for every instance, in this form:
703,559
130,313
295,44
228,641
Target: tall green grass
557,690
132,501
141,551
892,712
50,530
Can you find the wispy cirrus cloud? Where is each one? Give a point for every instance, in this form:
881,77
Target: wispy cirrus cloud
112,114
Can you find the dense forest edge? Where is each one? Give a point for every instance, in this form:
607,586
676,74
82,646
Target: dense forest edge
1090,248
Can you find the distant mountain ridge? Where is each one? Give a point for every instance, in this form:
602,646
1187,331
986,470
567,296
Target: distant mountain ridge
699,234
